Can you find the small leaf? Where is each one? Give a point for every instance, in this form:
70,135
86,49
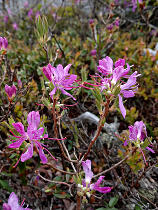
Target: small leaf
13,155
101,208
137,208
64,195
113,201
5,185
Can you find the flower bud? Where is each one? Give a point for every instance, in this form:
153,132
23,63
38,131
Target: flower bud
10,91
3,43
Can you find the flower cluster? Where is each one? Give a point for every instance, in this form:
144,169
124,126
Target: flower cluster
111,80
13,203
60,79
33,135
86,187
3,43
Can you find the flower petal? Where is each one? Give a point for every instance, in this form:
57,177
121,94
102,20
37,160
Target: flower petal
42,156
121,106
102,189
66,69
87,169
33,120
120,62
53,92
17,143
151,150
19,127
66,93
28,154
13,201
96,186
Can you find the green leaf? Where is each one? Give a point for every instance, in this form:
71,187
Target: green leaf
6,174
5,185
101,208
113,201
61,195
13,155
145,144
137,208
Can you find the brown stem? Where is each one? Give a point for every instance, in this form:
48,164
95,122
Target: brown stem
99,128
78,207
116,165
55,119
48,180
46,51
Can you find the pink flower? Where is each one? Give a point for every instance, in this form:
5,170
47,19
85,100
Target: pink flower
30,13
34,134
15,26
117,22
10,91
137,135
112,80
37,14
86,183
106,68
91,21
26,4
9,11
93,52
60,78
19,83
13,203
3,43
110,27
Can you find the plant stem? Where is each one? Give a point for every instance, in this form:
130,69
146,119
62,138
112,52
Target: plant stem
117,164
99,128
56,131
78,207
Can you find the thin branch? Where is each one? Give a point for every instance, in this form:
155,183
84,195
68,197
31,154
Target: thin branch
66,148
48,180
114,166
100,125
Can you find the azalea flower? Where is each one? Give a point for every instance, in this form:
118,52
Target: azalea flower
106,68
86,183
10,91
13,203
111,81
3,43
30,13
137,135
15,26
34,134
60,78
93,52
26,4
